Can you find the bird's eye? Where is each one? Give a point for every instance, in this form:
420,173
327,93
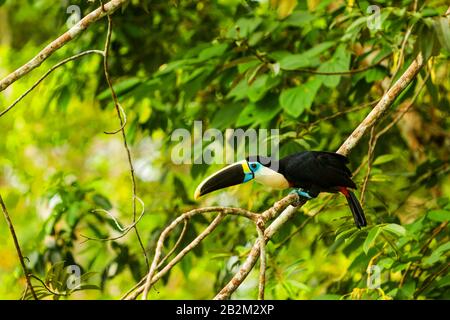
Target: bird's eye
253,165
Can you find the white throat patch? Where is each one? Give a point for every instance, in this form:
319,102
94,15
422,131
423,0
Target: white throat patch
271,178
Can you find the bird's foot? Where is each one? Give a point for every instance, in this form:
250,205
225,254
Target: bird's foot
303,195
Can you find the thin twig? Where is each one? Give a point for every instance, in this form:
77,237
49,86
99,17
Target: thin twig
404,110
47,288
340,73
18,250
342,112
151,278
124,230
428,281
412,267
119,111
262,260
124,123
403,47
62,62
180,238
370,151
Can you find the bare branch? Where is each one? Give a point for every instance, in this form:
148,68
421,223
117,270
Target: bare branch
337,114
252,257
62,62
279,206
16,244
197,240
223,211
385,102
72,33
136,290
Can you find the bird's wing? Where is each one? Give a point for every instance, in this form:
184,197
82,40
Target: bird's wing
323,169
334,161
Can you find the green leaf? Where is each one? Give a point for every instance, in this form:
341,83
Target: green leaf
375,74
296,100
298,19
213,51
442,28
294,61
239,92
305,59
64,99
407,291
172,66
260,86
386,263
439,215
428,42
444,282
244,27
243,67
120,88
437,254
87,287
226,116
102,201
395,229
384,159
340,62
371,237
433,90
257,113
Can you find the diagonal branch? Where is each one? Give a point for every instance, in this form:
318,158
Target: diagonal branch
59,64
16,244
385,102
71,34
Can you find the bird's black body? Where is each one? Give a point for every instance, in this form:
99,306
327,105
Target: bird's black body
316,171
310,172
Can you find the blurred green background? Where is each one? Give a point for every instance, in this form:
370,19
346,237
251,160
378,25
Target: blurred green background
229,64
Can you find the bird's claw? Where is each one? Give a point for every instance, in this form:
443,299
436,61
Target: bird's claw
302,195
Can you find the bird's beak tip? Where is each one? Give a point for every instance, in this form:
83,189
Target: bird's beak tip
197,194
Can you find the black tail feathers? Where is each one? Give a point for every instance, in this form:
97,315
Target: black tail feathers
357,211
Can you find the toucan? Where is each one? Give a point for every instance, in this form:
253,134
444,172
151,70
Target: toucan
308,172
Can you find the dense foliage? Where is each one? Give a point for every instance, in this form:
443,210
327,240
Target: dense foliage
230,64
